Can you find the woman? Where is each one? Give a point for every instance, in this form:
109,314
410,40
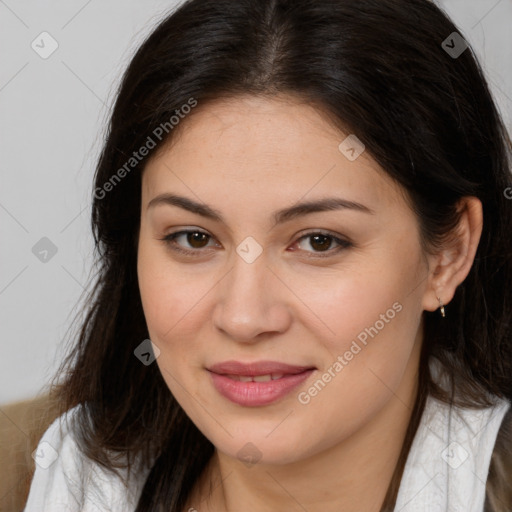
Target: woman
304,295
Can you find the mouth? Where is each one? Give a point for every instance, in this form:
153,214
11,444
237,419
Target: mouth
259,383
257,368
256,378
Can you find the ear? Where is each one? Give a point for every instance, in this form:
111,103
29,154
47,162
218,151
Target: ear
450,267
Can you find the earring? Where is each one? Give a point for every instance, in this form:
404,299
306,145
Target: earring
442,307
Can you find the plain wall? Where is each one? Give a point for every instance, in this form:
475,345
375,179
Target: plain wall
53,113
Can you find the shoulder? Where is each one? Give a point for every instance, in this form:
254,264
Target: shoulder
66,481
499,481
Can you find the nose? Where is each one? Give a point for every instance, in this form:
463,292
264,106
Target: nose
252,301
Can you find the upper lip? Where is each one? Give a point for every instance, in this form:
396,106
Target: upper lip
256,368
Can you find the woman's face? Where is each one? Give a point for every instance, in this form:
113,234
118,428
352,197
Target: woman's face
339,291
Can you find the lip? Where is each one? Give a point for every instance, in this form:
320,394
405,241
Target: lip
253,394
256,368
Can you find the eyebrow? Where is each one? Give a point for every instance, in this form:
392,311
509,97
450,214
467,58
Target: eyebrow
280,216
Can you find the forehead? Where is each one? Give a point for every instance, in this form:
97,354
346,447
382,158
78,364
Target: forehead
264,148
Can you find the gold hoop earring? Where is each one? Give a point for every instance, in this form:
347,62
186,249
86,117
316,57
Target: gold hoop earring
442,307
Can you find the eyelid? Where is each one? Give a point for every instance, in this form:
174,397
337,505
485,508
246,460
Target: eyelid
343,242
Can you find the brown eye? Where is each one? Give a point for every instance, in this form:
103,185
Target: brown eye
322,243
196,239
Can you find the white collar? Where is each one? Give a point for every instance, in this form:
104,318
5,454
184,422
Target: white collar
448,463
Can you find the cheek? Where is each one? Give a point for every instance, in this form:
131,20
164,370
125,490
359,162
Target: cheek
169,294
359,301
168,301
156,295
370,324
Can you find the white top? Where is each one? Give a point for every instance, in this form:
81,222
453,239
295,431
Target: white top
446,468
448,464
66,481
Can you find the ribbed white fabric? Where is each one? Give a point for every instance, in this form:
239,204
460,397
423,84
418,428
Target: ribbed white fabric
446,469
74,483
448,463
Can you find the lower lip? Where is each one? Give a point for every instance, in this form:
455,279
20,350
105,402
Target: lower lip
252,394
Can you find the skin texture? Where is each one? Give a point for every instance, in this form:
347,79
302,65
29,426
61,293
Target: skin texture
247,157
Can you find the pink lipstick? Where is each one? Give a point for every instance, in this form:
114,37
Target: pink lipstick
258,383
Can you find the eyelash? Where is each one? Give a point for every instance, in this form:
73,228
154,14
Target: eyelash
169,240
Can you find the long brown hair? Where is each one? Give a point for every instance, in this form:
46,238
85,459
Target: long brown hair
379,70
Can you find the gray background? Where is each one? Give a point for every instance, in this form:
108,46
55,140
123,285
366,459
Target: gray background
52,117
